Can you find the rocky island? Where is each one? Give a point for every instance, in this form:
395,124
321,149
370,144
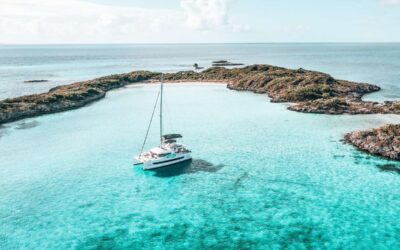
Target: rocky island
383,141
307,91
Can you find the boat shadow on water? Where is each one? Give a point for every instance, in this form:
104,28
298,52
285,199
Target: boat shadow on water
188,167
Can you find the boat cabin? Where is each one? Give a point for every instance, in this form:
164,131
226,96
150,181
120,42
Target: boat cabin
159,152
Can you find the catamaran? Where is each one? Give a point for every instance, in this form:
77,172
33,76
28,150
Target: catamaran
169,152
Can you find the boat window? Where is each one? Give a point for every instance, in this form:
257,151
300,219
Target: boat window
163,154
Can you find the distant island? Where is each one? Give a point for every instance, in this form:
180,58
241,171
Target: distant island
224,63
35,81
307,91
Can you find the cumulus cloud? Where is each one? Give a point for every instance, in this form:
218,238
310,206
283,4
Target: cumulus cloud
207,14
49,21
390,2
79,21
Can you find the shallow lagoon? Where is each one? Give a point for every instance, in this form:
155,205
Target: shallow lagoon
262,176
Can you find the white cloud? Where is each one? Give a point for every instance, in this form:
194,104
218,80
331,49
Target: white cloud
207,14
390,2
52,21
78,21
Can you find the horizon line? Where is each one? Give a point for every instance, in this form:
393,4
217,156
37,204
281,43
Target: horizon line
189,43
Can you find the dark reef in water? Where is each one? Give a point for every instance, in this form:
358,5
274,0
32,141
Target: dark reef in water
27,125
222,63
35,81
2,131
307,91
390,168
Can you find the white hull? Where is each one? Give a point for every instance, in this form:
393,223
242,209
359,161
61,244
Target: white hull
166,161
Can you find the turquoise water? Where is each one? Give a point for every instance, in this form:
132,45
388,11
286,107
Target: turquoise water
262,177
63,64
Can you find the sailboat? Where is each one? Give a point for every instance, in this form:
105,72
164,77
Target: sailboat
169,152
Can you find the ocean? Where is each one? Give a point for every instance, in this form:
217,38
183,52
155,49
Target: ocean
64,64
262,176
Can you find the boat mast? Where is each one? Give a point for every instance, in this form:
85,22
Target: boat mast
161,110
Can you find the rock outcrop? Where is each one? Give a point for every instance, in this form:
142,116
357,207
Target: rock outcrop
346,105
309,91
66,97
383,141
286,85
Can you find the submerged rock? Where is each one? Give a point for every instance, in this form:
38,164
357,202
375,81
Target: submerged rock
383,141
389,168
197,67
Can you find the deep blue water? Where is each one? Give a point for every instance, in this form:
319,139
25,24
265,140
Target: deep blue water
262,176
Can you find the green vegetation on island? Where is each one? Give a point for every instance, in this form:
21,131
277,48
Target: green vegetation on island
307,91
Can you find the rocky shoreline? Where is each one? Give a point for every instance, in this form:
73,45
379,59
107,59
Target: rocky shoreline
383,141
307,91
66,97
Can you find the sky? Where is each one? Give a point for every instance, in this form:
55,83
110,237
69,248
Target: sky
198,21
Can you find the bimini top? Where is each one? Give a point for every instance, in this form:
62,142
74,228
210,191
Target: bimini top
171,136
